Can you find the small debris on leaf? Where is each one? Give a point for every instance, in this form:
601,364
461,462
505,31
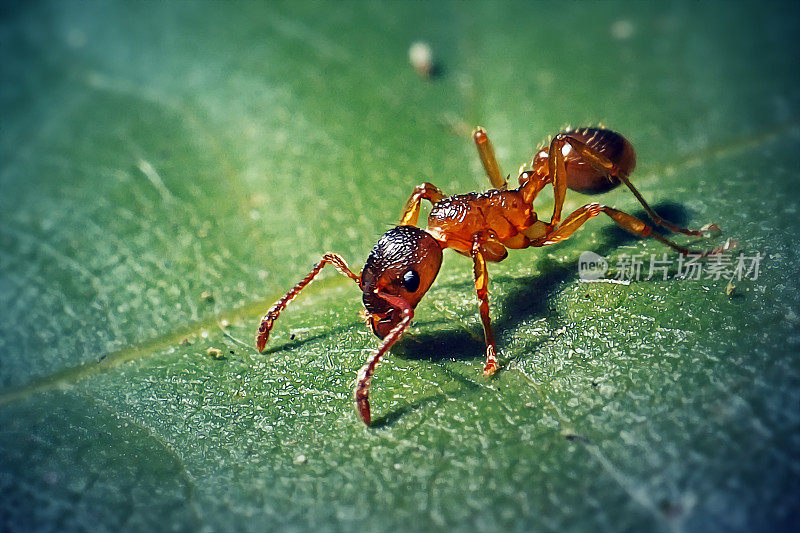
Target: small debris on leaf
730,289
214,353
571,437
622,30
420,54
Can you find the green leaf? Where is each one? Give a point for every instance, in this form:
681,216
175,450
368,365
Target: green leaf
169,170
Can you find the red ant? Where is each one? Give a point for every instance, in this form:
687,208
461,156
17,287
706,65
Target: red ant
483,225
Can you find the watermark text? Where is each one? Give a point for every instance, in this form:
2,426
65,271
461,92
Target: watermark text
637,267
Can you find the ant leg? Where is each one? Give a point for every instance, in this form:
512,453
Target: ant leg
624,220
482,290
267,320
364,378
602,164
531,184
558,171
486,153
425,191
663,222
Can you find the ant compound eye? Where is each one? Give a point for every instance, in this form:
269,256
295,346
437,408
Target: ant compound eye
411,280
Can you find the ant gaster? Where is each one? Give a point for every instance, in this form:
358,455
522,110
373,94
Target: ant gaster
483,226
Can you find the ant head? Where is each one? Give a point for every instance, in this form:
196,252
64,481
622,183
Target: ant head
403,264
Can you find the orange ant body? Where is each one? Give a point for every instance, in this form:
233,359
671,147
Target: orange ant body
404,263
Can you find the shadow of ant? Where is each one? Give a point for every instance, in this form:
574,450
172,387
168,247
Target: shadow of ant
537,291
294,342
393,416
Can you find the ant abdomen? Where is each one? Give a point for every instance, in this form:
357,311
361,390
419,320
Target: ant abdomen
582,175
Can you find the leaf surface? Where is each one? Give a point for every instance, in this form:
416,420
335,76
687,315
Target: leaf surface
165,168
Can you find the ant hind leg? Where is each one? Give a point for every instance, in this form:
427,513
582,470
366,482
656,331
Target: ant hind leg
624,220
707,229
602,164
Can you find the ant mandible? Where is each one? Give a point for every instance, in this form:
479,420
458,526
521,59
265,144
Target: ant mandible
482,225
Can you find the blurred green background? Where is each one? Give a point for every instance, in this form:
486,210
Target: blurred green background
165,167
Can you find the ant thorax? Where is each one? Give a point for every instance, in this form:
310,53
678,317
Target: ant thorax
499,215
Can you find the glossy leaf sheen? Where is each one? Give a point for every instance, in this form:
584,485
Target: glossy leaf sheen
167,167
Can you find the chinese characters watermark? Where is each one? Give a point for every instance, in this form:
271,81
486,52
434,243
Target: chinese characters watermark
636,267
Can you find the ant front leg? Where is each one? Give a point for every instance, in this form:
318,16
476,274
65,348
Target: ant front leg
424,191
268,319
488,159
481,275
624,220
364,378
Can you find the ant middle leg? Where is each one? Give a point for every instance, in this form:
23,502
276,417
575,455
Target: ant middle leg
424,191
624,220
488,159
605,167
481,276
